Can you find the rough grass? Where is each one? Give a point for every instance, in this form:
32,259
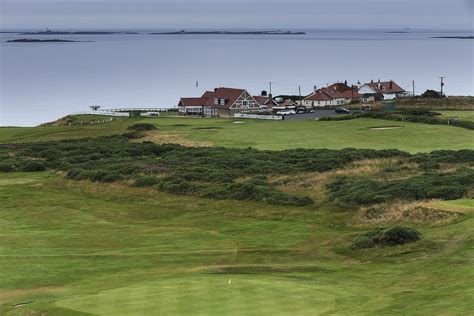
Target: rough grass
78,247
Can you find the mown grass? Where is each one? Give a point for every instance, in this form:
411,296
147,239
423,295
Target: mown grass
81,248
73,247
411,137
462,115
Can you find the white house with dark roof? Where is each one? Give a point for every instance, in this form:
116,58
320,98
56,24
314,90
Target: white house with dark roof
387,89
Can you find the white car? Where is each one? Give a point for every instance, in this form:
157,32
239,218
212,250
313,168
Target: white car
286,112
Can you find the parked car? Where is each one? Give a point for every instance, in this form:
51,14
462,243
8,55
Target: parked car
342,111
286,112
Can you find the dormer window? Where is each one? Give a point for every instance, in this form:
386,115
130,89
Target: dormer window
216,101
221,101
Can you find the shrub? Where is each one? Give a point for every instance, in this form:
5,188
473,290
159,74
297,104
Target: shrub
145,182
7,167
357,191
33,166
386,237
133,135
142,127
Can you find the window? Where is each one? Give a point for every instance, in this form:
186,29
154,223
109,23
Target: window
222,101
245,103
216,101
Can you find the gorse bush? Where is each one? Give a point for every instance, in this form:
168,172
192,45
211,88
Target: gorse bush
358,191
412,115
218,172
142,127
133,135
33,166
386,237
7,167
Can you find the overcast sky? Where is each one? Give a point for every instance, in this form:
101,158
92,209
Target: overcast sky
440,14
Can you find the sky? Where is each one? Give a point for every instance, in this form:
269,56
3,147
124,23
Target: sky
129,14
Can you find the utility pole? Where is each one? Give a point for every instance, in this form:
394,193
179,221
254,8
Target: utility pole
299,90
442,85
413,87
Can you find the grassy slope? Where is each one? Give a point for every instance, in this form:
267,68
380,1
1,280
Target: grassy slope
412,137
106,249
77,247
462,115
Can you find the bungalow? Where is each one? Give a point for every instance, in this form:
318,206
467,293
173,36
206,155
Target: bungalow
333,95
385,90
222,102
265,101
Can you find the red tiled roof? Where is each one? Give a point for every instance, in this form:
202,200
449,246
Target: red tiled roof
318,96
193,101
230,95
386,87
261,100
265,100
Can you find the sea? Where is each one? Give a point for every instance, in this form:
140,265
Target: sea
40,82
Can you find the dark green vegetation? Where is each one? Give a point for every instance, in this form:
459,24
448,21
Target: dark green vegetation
249,232
240,174
389,237
411,115
142,127
359,191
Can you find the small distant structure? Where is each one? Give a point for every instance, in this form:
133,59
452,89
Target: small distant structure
222,102
94,108
266,101
335,94
385,90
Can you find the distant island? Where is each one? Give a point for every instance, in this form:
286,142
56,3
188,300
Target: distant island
454,37
35,40
49,32
184,32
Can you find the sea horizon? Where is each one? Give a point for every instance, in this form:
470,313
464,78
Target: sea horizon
144,70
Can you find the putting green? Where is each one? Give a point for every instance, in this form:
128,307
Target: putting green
209,294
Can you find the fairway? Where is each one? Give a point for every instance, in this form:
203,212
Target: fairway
274,135
73,247
85,247
461,115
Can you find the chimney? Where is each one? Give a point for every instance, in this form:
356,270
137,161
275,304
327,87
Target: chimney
345,82
215,89
372,81
264,93
379,85
315,89
391,84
